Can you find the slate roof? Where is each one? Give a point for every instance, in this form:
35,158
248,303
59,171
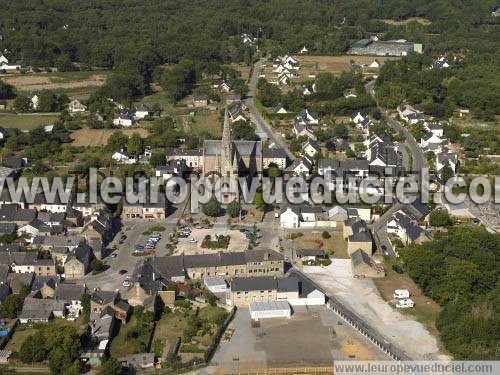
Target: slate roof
40,281
40,309
310,252
246,284
274,153
69,292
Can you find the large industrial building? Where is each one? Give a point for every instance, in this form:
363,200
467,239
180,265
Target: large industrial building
370,47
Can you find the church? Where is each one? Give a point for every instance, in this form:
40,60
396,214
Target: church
229,158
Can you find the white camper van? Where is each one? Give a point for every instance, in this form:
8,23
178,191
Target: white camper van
401,293
405,304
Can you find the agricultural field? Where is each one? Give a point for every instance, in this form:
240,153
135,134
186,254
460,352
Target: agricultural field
243,69
26,121
312,65
74,84
99,137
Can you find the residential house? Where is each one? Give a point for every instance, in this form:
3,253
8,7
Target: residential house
301,167
359,237
77,262
87,208
75,106
364,266
200,100
274,156
71,295
301,130
142,111
137,362
443,159
375,64
236,113
125,119
34,99
45,286
193,158
306,117
304,50
406,229
279,109
145,211
311,148
172,168
123,157
101,300
36,310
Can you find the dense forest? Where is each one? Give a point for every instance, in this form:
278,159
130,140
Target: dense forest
461,271
107,33
135,37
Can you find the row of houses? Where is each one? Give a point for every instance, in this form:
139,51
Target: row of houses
285,67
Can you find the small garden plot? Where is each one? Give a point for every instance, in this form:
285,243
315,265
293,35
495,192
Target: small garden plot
220,242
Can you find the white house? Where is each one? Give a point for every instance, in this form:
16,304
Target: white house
443,159
307,117
123,157
436,129
142,111
311,148
124,119
357,118
375,64
304,90
303,130
304,50
75,106
3,60
301,167
279,109
289,219
34,99
430,138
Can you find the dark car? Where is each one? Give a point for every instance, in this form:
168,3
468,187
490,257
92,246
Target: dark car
122,272
397,268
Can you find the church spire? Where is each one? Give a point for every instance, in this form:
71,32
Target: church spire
227,145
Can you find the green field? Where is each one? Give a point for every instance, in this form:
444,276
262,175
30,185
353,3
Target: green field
26,121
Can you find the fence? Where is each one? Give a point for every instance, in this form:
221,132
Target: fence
356,322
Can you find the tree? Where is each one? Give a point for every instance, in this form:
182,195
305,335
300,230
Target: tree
33,349
243,130
135,144
111,367
96,265
212,208
117,140
439,218
6,90
233,209
22,103
258,200
156,159
273,171
12,306
447,172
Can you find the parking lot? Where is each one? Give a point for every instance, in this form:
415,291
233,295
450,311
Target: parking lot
192,243
314,336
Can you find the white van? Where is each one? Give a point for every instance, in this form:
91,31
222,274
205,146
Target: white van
401,293
405,304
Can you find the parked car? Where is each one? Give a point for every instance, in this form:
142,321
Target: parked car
192,240
122,272
114,255
126,283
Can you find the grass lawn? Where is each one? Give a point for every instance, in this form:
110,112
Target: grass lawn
127,342
18,338
425,310
211,313
206,122
169,328
314,240
26,121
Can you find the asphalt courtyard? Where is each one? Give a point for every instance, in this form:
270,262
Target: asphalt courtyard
314,336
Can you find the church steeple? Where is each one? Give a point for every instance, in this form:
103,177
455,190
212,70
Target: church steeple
226,147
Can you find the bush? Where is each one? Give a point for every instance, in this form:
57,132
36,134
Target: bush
156,228
296,235
325,235
184,303
190,348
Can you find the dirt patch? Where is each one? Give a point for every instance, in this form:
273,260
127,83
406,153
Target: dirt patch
422,21
99,137
41,82
336,64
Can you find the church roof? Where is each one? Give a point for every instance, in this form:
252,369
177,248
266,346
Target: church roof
244,148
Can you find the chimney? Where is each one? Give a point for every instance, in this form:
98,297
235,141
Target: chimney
266,255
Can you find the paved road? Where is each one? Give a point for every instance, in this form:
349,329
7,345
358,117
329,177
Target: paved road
110,279
257,118
419,159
